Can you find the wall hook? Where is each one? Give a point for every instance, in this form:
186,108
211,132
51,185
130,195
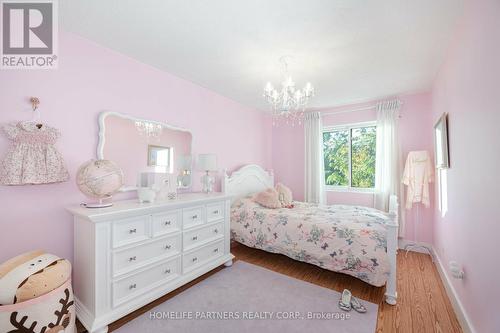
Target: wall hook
34,103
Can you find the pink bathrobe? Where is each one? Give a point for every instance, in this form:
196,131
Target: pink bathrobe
417,175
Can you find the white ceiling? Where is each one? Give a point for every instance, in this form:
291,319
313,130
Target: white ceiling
351,50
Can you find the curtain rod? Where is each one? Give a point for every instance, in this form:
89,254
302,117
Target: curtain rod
366,108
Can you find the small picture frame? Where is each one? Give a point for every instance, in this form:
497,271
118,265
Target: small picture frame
159,156
441,149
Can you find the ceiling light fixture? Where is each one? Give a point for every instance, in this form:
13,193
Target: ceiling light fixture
289,103
148,129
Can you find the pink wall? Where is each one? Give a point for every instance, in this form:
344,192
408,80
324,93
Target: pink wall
288,157
468,88
415,134
91,79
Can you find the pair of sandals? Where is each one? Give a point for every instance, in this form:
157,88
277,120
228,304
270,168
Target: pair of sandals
348,302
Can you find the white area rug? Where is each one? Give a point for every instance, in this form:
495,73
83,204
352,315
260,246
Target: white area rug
249,298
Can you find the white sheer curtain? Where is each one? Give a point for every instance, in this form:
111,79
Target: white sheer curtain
388,160
314,171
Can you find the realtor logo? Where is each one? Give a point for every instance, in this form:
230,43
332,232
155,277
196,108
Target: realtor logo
29,34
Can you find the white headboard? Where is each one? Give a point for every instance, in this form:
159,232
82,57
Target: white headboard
249,179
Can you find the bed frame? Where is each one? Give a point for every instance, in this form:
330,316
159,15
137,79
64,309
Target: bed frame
252,178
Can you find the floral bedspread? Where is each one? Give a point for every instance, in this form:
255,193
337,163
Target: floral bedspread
341,238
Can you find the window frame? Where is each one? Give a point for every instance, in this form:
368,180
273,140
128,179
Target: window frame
349,127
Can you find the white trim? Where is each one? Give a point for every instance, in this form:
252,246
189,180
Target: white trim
459,309
333,188
402,243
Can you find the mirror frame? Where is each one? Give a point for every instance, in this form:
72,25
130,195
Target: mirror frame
442,125
102,137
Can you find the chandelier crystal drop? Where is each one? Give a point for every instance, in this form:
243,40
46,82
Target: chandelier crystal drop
148,129
289,103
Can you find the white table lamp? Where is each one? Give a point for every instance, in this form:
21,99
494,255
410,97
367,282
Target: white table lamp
184,178
207,163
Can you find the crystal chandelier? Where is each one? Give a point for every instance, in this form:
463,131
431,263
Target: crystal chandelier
148,129
289,103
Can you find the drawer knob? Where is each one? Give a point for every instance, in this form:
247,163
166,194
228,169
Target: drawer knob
194,259
132,258
216,250
132,231
216,211
195,238
216,230
167,271
194,217
167,222
167,247
132,286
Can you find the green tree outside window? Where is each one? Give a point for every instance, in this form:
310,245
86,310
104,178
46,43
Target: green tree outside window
354,147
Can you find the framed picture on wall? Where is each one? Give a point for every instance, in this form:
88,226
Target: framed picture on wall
159,156
442,156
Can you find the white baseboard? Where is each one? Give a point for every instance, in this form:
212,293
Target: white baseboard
462,317
402,243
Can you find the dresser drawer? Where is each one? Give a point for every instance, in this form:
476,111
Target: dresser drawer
215,211
165,223
198,236
201,255
130,230
134,285
192,216
130,258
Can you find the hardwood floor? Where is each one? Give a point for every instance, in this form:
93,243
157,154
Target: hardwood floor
422,307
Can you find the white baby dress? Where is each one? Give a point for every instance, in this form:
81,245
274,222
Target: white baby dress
32,157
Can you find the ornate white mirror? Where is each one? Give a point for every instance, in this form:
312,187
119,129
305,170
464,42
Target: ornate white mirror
141,145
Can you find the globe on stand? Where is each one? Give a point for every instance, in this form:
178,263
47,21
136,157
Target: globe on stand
99,179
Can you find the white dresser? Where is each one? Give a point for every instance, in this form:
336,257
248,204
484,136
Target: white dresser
127,255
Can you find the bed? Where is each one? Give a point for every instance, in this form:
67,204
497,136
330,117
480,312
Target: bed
354,240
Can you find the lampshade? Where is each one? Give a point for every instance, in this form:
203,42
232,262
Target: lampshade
207,162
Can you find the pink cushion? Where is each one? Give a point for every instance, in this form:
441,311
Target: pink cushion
268,198
284,195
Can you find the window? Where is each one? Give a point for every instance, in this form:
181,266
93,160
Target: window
442,175
349,156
